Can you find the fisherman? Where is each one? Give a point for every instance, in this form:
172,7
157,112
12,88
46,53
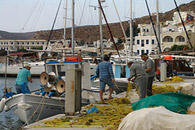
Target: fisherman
106,76
138,73
23,77
150,70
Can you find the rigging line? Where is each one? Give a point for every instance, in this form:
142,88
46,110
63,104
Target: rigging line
82,12
31,12
41,10
53,24
183,24
112,39
36,14
153,26
123,30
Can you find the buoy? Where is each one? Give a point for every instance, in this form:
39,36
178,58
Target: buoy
2,104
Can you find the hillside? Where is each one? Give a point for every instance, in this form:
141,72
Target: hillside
15,36
91,33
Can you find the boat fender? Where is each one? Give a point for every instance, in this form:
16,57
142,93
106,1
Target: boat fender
50,94
2,104
24,106
6,108
43,93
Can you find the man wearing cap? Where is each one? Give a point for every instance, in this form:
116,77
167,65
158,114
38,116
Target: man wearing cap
138,73
23,77
150,70
106,76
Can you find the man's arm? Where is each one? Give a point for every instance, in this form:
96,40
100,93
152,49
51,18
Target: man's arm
29,79
111,72
149,66
132,73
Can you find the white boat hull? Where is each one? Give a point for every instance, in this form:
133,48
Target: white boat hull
30,108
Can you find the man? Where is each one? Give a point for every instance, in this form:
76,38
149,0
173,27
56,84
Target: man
23,77
105,73
138,73
150,70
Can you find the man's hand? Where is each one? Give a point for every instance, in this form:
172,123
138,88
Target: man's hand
129,79
113,80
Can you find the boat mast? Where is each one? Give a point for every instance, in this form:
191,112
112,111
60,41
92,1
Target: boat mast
65,20
131,30
73,3
158,21
101,32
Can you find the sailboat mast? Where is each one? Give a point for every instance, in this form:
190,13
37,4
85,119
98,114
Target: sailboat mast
158,21
131,30
73,20
101,32
65,20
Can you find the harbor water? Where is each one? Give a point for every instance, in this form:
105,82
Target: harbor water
8,121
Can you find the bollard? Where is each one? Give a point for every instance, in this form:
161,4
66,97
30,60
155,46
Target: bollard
73,91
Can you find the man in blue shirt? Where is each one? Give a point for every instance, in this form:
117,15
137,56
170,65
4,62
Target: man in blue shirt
106,76
23,77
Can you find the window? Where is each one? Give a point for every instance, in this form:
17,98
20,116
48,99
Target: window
147,51
142,43
38,43
33,43
153,41
147,41
142,51
147,30
18,43
181,39
22,42
144,30
137,51
12,43
137,42
43,43
27,42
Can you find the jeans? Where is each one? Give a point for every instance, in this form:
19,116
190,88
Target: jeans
23,88
103,83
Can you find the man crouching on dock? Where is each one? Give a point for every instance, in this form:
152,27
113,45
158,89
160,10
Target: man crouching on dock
106,76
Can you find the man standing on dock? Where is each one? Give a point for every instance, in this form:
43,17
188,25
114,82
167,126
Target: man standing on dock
150,70
138,73
106,76
23,77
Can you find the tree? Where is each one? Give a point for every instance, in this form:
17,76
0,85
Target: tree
178,47
136,30
119,41
3,52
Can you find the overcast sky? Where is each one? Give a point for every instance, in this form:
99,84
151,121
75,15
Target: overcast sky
33,15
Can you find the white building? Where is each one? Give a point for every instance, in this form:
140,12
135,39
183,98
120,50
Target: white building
145,44
176,18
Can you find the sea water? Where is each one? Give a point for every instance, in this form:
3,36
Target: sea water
8,121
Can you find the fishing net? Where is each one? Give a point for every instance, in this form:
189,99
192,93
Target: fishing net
175,102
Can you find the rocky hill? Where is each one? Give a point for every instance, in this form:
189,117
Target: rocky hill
15,36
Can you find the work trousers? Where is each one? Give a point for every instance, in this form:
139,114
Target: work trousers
142,85
149,85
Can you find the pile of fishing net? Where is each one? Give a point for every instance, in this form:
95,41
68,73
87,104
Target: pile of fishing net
174,79
188,88
106,117
164,89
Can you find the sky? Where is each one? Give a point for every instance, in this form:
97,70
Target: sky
34,15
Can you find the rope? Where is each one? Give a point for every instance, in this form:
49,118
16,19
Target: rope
32,114
40,110
53,24
82,12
